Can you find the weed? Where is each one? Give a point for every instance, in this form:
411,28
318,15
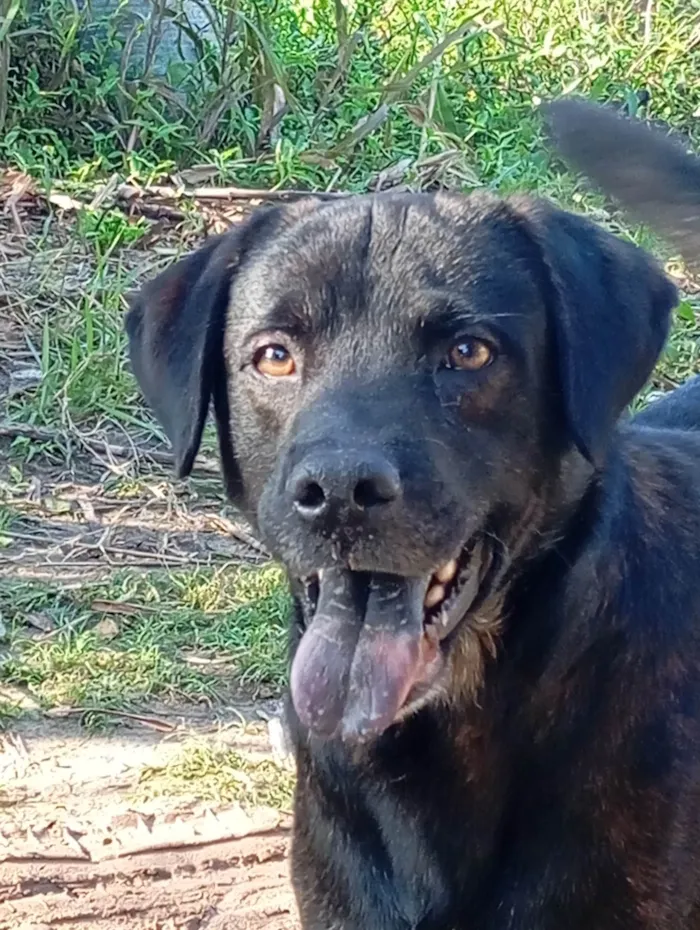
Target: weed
109,230
325,93
9,714
221,774
167,631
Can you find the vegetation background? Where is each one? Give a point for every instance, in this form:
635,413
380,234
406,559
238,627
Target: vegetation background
326,93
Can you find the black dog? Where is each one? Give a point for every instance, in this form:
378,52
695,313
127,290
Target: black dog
496,640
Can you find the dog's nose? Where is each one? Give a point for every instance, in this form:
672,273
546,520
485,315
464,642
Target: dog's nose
324,485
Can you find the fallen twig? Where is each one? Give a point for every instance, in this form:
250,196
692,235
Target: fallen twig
129,192
155,211
155,723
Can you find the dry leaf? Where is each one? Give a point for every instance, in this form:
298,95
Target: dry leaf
20,185
87,510
23,379
316,158
391,176
34,490
64,202
55,505
197,174
273,111
107,628
106,192
364,127
416,114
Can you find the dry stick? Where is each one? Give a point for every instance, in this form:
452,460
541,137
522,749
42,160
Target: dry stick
128,192
77,545
19,228
46,571
154,722
154,211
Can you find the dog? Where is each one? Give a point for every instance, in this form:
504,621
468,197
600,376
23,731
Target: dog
495,638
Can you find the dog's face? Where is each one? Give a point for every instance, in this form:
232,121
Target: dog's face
411,393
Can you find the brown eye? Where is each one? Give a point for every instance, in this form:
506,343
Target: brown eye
469,355
274,361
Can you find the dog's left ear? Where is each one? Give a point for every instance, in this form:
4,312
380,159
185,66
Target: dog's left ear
610,311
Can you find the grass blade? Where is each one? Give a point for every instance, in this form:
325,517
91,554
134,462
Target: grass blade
398,88
364,127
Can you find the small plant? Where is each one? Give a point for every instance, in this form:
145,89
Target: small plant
108,230
220,774
9,714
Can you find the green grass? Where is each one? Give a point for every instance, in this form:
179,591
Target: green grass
162,631
73,299
681,359
10,712
426,78
220,774
456,82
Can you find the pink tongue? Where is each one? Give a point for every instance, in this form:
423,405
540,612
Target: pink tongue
361,654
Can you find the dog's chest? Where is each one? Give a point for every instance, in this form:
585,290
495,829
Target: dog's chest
416,883
409,839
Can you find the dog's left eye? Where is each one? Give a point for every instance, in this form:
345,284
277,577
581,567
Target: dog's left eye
469,355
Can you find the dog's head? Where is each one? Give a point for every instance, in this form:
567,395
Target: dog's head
411,391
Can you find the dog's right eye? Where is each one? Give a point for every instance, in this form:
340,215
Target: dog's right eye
274,361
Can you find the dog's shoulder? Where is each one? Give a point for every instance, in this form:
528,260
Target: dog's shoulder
616,606
644,553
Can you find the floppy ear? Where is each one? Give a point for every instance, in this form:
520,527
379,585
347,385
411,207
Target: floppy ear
176,332
610,306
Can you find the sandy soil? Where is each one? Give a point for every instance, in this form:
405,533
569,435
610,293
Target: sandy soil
78,850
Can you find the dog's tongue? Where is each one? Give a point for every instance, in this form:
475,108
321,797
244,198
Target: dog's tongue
361,654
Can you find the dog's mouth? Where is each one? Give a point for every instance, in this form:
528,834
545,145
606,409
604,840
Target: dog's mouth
376,642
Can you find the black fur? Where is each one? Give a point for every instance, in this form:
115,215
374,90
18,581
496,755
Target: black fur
549,777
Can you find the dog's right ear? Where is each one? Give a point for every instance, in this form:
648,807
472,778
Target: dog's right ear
176,327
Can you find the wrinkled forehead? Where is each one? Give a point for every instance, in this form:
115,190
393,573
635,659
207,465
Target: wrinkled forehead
397,259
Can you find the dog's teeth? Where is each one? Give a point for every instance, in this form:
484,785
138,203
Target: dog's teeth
434,595
447,572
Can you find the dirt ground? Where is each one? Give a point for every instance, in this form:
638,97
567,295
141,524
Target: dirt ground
78,848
